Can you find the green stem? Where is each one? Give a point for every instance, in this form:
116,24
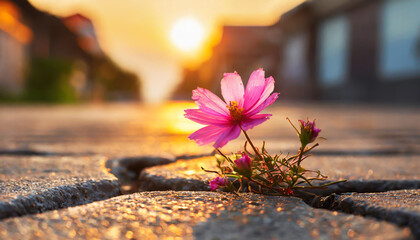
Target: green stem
252,145
262,184
302,149
220,152
306,151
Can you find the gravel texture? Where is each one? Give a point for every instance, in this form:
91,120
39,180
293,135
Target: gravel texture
401,207
36,184
197,215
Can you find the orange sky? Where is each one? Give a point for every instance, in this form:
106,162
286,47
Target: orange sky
136,33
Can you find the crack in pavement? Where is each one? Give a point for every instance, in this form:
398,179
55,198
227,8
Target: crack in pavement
79,193
161,180
128,169
31,152
348,203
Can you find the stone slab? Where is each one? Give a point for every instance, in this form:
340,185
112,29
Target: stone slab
197,215
366,167
401,207
37,184
183,175
363,173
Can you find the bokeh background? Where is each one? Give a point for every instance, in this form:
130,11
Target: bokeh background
365,51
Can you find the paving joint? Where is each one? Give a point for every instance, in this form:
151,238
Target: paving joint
128,169
389,152
365,186
32,152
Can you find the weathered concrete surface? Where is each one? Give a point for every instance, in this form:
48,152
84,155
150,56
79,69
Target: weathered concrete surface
401,207
128,169
183,175
364,173
368,173
375,147
199,215
366,167
36,184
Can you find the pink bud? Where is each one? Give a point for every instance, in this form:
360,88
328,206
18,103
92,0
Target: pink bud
243,163
308,131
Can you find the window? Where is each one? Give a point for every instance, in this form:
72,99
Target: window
333,37
295,68
400,38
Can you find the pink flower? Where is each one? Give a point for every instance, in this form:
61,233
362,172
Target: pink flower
243,163
225,119
217,183
308,131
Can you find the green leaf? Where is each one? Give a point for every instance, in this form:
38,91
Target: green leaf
233,176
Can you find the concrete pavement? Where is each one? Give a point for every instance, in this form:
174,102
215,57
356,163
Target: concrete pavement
60,156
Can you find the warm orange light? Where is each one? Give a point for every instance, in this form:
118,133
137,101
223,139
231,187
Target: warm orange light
9,22
187,34
174,120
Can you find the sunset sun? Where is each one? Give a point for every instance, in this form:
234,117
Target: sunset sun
187,34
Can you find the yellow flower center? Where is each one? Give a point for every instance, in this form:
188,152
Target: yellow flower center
235,111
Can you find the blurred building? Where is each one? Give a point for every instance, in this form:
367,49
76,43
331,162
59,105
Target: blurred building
84,29
338,50
241,49
14,39
45,58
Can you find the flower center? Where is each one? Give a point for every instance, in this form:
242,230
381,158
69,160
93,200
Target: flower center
235,111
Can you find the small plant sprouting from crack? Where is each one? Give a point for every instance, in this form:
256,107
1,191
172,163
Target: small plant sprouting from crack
260,172
269,174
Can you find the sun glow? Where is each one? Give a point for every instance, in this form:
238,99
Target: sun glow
187,34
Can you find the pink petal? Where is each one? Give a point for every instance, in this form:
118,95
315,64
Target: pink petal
207,134
253,121
209,102
229,134
268,89
233,88
199,116
270,100
254,88
213,185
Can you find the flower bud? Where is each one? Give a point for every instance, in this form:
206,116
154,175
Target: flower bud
308,132
243,165
218,182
